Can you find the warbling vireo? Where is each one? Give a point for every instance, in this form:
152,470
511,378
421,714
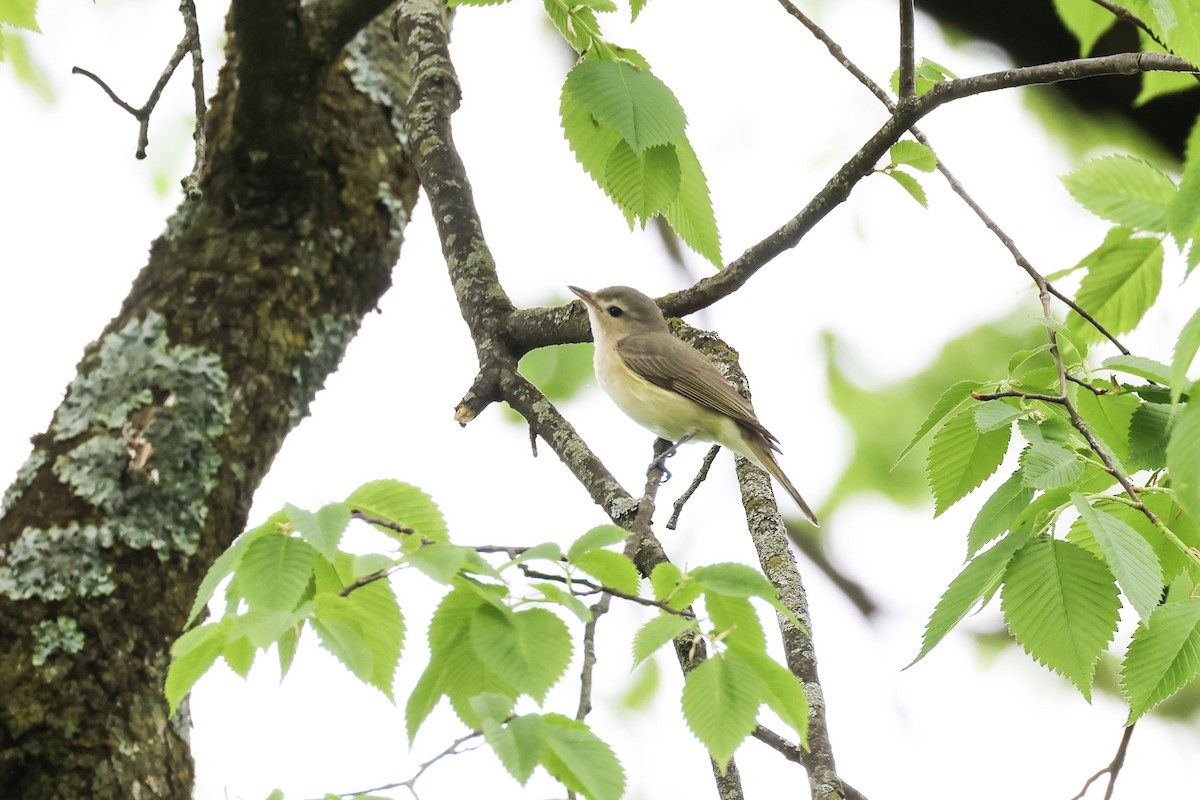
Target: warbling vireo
669,387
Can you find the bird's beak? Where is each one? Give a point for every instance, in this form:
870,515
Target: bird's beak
584,295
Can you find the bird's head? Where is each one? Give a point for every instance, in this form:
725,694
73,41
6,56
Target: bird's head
619,311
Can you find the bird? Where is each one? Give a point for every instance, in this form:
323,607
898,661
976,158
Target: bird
669,387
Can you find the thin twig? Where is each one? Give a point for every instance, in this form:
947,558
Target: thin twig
687,495
595,588
1112,770
1058,399
598,609
384,523
1125,15
908,74
410,784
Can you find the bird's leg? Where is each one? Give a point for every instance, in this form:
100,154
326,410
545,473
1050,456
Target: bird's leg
664,449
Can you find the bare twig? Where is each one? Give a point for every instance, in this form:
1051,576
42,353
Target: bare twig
598,609
410,784
1125,15
1112,770
383,523
908,75
190,43
687,495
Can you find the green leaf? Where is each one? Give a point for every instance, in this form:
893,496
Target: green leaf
1061,605
550,551
998,513
1183,458
560,372
518,743
323,530
401,503
781,690
1124,190
529,650
191,656
1121,284
977,581
422,699
576,22
591,140
1175,21
910,185
597,537
1149,432
580,760
1185,353
928,74
340,631
996,414
1130,557
671,585
1085,20
735,580
721,697
239,655
1143,367
633,101
735,621
275,571
643,184
949,402
961,458
286,644
1048,466
690,214
1108,416
441,561
635,8
1163,657
657,632
378,612
19,14
555,594
614,570
914,154
228,561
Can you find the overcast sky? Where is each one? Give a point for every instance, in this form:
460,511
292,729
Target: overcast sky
771,117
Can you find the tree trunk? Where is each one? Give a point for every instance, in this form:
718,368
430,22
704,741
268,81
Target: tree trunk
147,470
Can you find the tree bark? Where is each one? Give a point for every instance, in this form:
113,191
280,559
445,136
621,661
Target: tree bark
148,467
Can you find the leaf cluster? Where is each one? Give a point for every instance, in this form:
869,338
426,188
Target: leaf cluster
498,635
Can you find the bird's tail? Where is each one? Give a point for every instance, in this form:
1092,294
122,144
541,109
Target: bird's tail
762,453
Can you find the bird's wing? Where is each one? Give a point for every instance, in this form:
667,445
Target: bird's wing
681,368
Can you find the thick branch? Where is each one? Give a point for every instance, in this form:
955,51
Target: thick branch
333,23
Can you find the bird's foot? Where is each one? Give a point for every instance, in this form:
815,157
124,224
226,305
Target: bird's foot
664,449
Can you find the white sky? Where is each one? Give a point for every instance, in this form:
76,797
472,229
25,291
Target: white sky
771,116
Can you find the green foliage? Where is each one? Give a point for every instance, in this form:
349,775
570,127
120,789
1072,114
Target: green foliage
1163,657
961,458
1086,20
928,74
910,154
494,637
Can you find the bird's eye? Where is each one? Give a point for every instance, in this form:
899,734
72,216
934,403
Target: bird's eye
615,311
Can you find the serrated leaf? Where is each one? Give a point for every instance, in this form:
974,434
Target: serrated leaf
998,513
614,570
529,650
518,743
239,655
1163,657
1149,432
323,530
733,579
1124,190
274,571
670,585
1130,557
642,184
1061,605
1121,284
1108,416
1175,21
928,74
1183,458
576,22
555,594
1048,466
635,8
1085,20
191,656
1143,367
340,631
286,645
992,415
949,402
910,185
378,611
781,690
1185,352
20,14
633,101
961,458
402,503
591,140
441,561
914,154
721,697
977,581
580,760
690,214
228,561
735,620
422,700
597,537
657,632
